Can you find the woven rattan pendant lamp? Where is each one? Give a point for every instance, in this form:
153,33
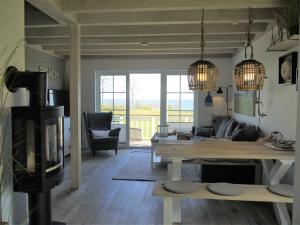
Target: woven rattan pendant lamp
202,74
249,74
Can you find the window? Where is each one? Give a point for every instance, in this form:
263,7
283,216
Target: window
180,102
112,98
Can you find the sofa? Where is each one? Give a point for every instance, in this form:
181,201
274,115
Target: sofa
224,127
227,170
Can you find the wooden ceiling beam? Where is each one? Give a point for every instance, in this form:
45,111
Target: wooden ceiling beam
136,40
174,17
150,52
228,45
141,30
209,38
158,5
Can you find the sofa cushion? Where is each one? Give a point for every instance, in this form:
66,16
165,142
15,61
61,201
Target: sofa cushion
217,120
249,133
231,126
222,128
204,131
238,127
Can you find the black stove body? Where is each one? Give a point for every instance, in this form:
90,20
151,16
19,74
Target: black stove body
37,140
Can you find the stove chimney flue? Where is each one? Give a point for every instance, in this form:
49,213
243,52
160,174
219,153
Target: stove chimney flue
35,82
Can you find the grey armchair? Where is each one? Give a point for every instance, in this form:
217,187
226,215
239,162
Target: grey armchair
96,123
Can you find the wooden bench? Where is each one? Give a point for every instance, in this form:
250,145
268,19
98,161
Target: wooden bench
256,193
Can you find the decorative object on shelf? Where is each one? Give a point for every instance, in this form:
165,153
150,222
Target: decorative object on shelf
288,68
288,16
202,74
249,74
208,100
162,130
244,102
285,34
281,40
37,144
220,91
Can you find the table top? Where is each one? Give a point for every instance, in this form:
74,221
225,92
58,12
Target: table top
216,149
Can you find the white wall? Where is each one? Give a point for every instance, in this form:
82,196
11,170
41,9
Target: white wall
35,58
279,101
12,26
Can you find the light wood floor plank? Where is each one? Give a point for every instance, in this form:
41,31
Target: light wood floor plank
101,200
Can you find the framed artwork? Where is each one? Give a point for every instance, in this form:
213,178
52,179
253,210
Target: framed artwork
287,68
244,102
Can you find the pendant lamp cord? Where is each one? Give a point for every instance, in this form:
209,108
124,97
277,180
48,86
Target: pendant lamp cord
248,34
202,36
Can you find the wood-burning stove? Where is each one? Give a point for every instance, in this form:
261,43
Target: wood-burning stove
37,139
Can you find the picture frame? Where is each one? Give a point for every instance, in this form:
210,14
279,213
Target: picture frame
288,69
245,102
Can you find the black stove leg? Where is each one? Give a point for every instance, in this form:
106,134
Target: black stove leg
40,209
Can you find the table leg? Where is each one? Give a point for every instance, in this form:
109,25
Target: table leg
174,173
274,173
152,156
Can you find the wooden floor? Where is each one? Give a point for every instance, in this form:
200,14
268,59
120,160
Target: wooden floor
101,200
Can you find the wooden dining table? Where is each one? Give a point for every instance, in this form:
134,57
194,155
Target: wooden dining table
275,163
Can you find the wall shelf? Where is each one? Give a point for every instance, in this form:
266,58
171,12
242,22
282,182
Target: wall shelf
285,43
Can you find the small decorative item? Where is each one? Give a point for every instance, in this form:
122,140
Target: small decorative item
287,68
279,141
162,130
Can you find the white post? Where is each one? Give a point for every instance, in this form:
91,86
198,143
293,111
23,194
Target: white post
153,126
147,128
75,106
296,210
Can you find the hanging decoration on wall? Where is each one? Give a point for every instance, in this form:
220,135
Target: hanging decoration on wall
202,74
288,68
249,75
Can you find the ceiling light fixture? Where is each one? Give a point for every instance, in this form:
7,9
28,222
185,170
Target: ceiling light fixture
144,43
249,75
202,74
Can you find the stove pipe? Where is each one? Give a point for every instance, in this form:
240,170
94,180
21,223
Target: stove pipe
34,82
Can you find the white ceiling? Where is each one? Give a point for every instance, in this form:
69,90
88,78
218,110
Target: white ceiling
147,27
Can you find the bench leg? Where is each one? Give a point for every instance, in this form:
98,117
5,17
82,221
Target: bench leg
274,173
176,210
174,173
168,211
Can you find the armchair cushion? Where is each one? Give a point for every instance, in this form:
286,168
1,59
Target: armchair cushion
100,133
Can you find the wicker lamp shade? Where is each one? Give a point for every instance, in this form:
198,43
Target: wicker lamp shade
249,75
202,76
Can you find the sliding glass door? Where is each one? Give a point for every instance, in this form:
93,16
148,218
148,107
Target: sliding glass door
142,101
144,107
112,97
